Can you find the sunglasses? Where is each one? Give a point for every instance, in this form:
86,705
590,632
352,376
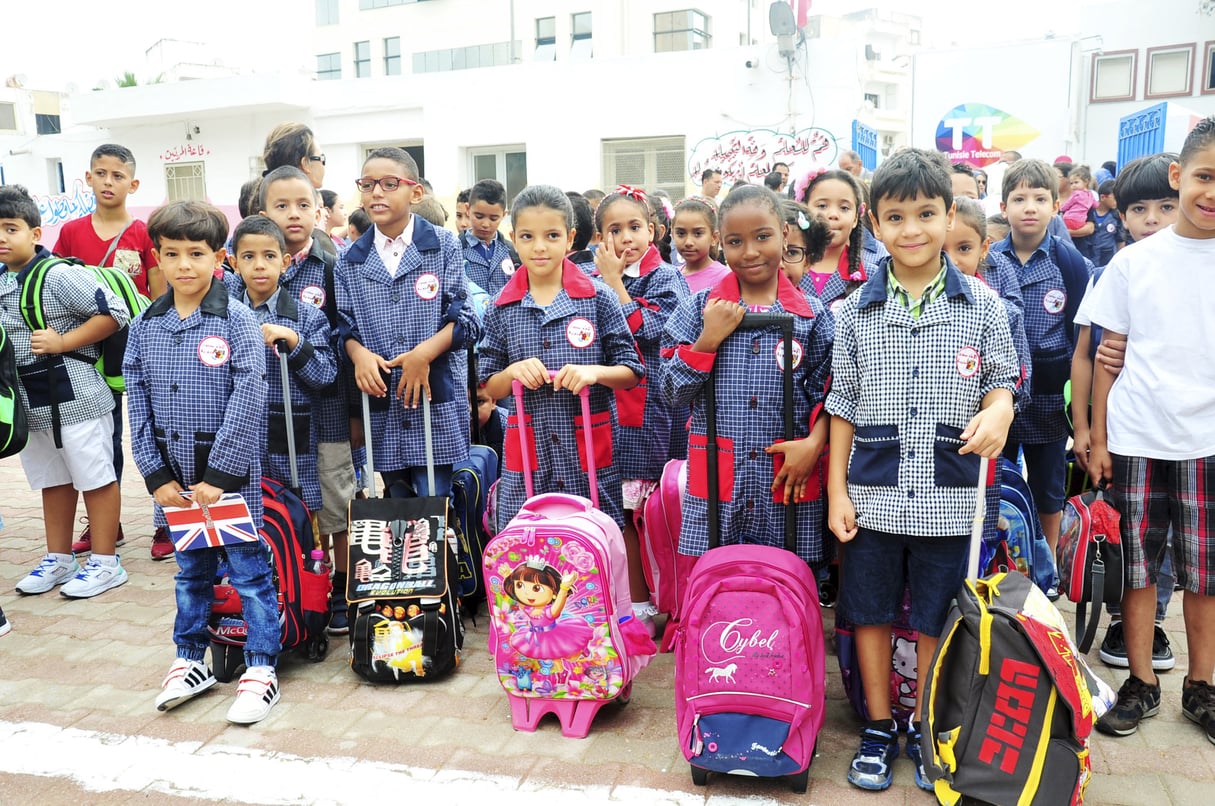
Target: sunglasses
317,158
389,183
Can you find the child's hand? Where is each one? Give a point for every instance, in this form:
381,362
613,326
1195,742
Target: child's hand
1100,463
415,377
169,495
530,372
369,371
987,431
272,333
1111,352
801,455
567,580
841,517
609,261
722,317
205,494
46,342
1080,446
576,377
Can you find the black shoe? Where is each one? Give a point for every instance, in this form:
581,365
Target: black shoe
1198,705
339,621
1162,653
1136,700
1113,648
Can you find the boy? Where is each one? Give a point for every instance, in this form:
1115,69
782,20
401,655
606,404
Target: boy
112,237
196,373
1108,236
1153,435
261,257
924,371
1052,276
489,259
71,446
463,219
403,301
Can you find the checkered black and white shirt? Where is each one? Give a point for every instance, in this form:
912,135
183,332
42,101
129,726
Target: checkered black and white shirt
909,387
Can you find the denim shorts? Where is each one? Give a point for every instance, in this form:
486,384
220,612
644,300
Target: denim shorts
876,566
1046,463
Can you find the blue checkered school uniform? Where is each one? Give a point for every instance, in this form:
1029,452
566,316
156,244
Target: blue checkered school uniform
750,417
391,315
909,386
872,250
644,443
1002,279
196,397
489,272
839,285
312,369
583,325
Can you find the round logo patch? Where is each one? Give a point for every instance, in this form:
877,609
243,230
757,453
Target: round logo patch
214,351
314,295
427,286
835,306
580,333
1111,227
1054,300
967,362
780,354
508,266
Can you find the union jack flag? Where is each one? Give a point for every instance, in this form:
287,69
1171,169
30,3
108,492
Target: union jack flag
225,522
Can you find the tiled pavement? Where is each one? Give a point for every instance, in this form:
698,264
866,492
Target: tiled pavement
96,665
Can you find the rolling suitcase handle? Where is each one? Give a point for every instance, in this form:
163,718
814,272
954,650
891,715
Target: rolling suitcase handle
281,350
976,527
528,483
369,471
427,432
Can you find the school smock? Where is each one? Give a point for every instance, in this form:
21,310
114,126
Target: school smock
582,325
909,387
390,315
490,273
196,397
1001,279
644,435
839,285
311,369
750,417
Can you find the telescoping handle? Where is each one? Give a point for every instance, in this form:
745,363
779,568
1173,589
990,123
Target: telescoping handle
281,349
528,482
369,471
976,527
428,434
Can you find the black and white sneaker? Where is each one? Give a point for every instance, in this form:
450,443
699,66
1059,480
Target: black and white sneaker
255,696
186,679
5,626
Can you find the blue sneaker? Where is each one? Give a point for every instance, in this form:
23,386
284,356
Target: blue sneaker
872,765
917,757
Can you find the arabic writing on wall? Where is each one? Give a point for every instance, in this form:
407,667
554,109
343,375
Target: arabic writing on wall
66,206
751,154
183,151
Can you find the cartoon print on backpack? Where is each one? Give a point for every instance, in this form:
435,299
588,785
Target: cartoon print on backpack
903,679
541,594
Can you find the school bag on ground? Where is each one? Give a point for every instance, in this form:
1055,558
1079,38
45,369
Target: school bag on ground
1009,702
289,531
470,483
1090,560
580,648
403,579
658,524
14,423
750,678
1021,530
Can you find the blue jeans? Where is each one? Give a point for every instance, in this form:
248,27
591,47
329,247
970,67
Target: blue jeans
411,482
250,573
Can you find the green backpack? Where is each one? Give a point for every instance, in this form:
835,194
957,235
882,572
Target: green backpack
114,346
14,426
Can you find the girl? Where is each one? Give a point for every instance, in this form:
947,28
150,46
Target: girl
649,290
695,236
836,196
551,316
808,239
335,223
700,337
541,593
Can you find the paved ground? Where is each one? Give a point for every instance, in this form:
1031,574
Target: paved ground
77,723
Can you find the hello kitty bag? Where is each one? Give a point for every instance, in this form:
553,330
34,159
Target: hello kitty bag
561,630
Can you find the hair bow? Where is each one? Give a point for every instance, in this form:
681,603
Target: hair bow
800,187
636,194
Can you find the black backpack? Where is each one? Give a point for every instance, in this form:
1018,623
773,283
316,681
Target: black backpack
14,425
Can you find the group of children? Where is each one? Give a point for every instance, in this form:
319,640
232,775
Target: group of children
907,368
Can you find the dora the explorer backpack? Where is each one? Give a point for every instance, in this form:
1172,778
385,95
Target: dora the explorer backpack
14,427
114,346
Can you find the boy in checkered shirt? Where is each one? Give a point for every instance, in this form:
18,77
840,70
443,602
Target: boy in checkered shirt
924,371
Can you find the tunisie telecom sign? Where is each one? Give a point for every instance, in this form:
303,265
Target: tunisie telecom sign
977,133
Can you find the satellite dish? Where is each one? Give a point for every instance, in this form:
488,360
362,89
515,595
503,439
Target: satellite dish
781,20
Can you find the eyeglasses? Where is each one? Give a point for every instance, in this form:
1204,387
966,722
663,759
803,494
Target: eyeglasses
389,183
795,254
317,158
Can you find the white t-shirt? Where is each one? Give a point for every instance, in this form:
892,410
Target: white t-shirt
1082,311
1160,292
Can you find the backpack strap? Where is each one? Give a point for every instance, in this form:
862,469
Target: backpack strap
114,244
35,319
330,261
1075,279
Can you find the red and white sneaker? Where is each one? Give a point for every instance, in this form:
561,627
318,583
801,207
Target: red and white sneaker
84,543
255,696
162,546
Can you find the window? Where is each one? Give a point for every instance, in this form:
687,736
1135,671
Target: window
54,176
392,56
494,54
186,181
873,100
654,163
329,66
580,45
362,59
1208,73
1170,71
546,39
680,30
507,164
414,149
1113,76
326,12
47,124
8,117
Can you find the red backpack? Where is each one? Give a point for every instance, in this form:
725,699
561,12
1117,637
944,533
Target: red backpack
1090,560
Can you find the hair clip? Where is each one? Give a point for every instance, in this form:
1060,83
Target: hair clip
802,221
637,194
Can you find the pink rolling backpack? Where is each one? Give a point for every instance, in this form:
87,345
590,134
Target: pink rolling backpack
666,570
582,648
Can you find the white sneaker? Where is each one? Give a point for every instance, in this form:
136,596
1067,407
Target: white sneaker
186,679
48,573
255,696
645,614
93,579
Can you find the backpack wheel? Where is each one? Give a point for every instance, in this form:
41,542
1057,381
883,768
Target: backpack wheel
700,776
625,695
226,659
800,781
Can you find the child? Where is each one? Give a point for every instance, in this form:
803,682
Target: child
923,373
71,447
1052,276
357,223
701,335
1151,203
836,196
1108,235
489,259
402,296
111,236
335,217
649,290
584,229
552,317
809,237
1075,203
463,219
196,372
1153,435
965,185
261,257
997,227
492,420
694,233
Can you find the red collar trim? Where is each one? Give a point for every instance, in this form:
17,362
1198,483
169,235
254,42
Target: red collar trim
860,276
573,280
792,300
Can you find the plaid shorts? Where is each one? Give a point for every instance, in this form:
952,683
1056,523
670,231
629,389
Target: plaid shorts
1153,494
